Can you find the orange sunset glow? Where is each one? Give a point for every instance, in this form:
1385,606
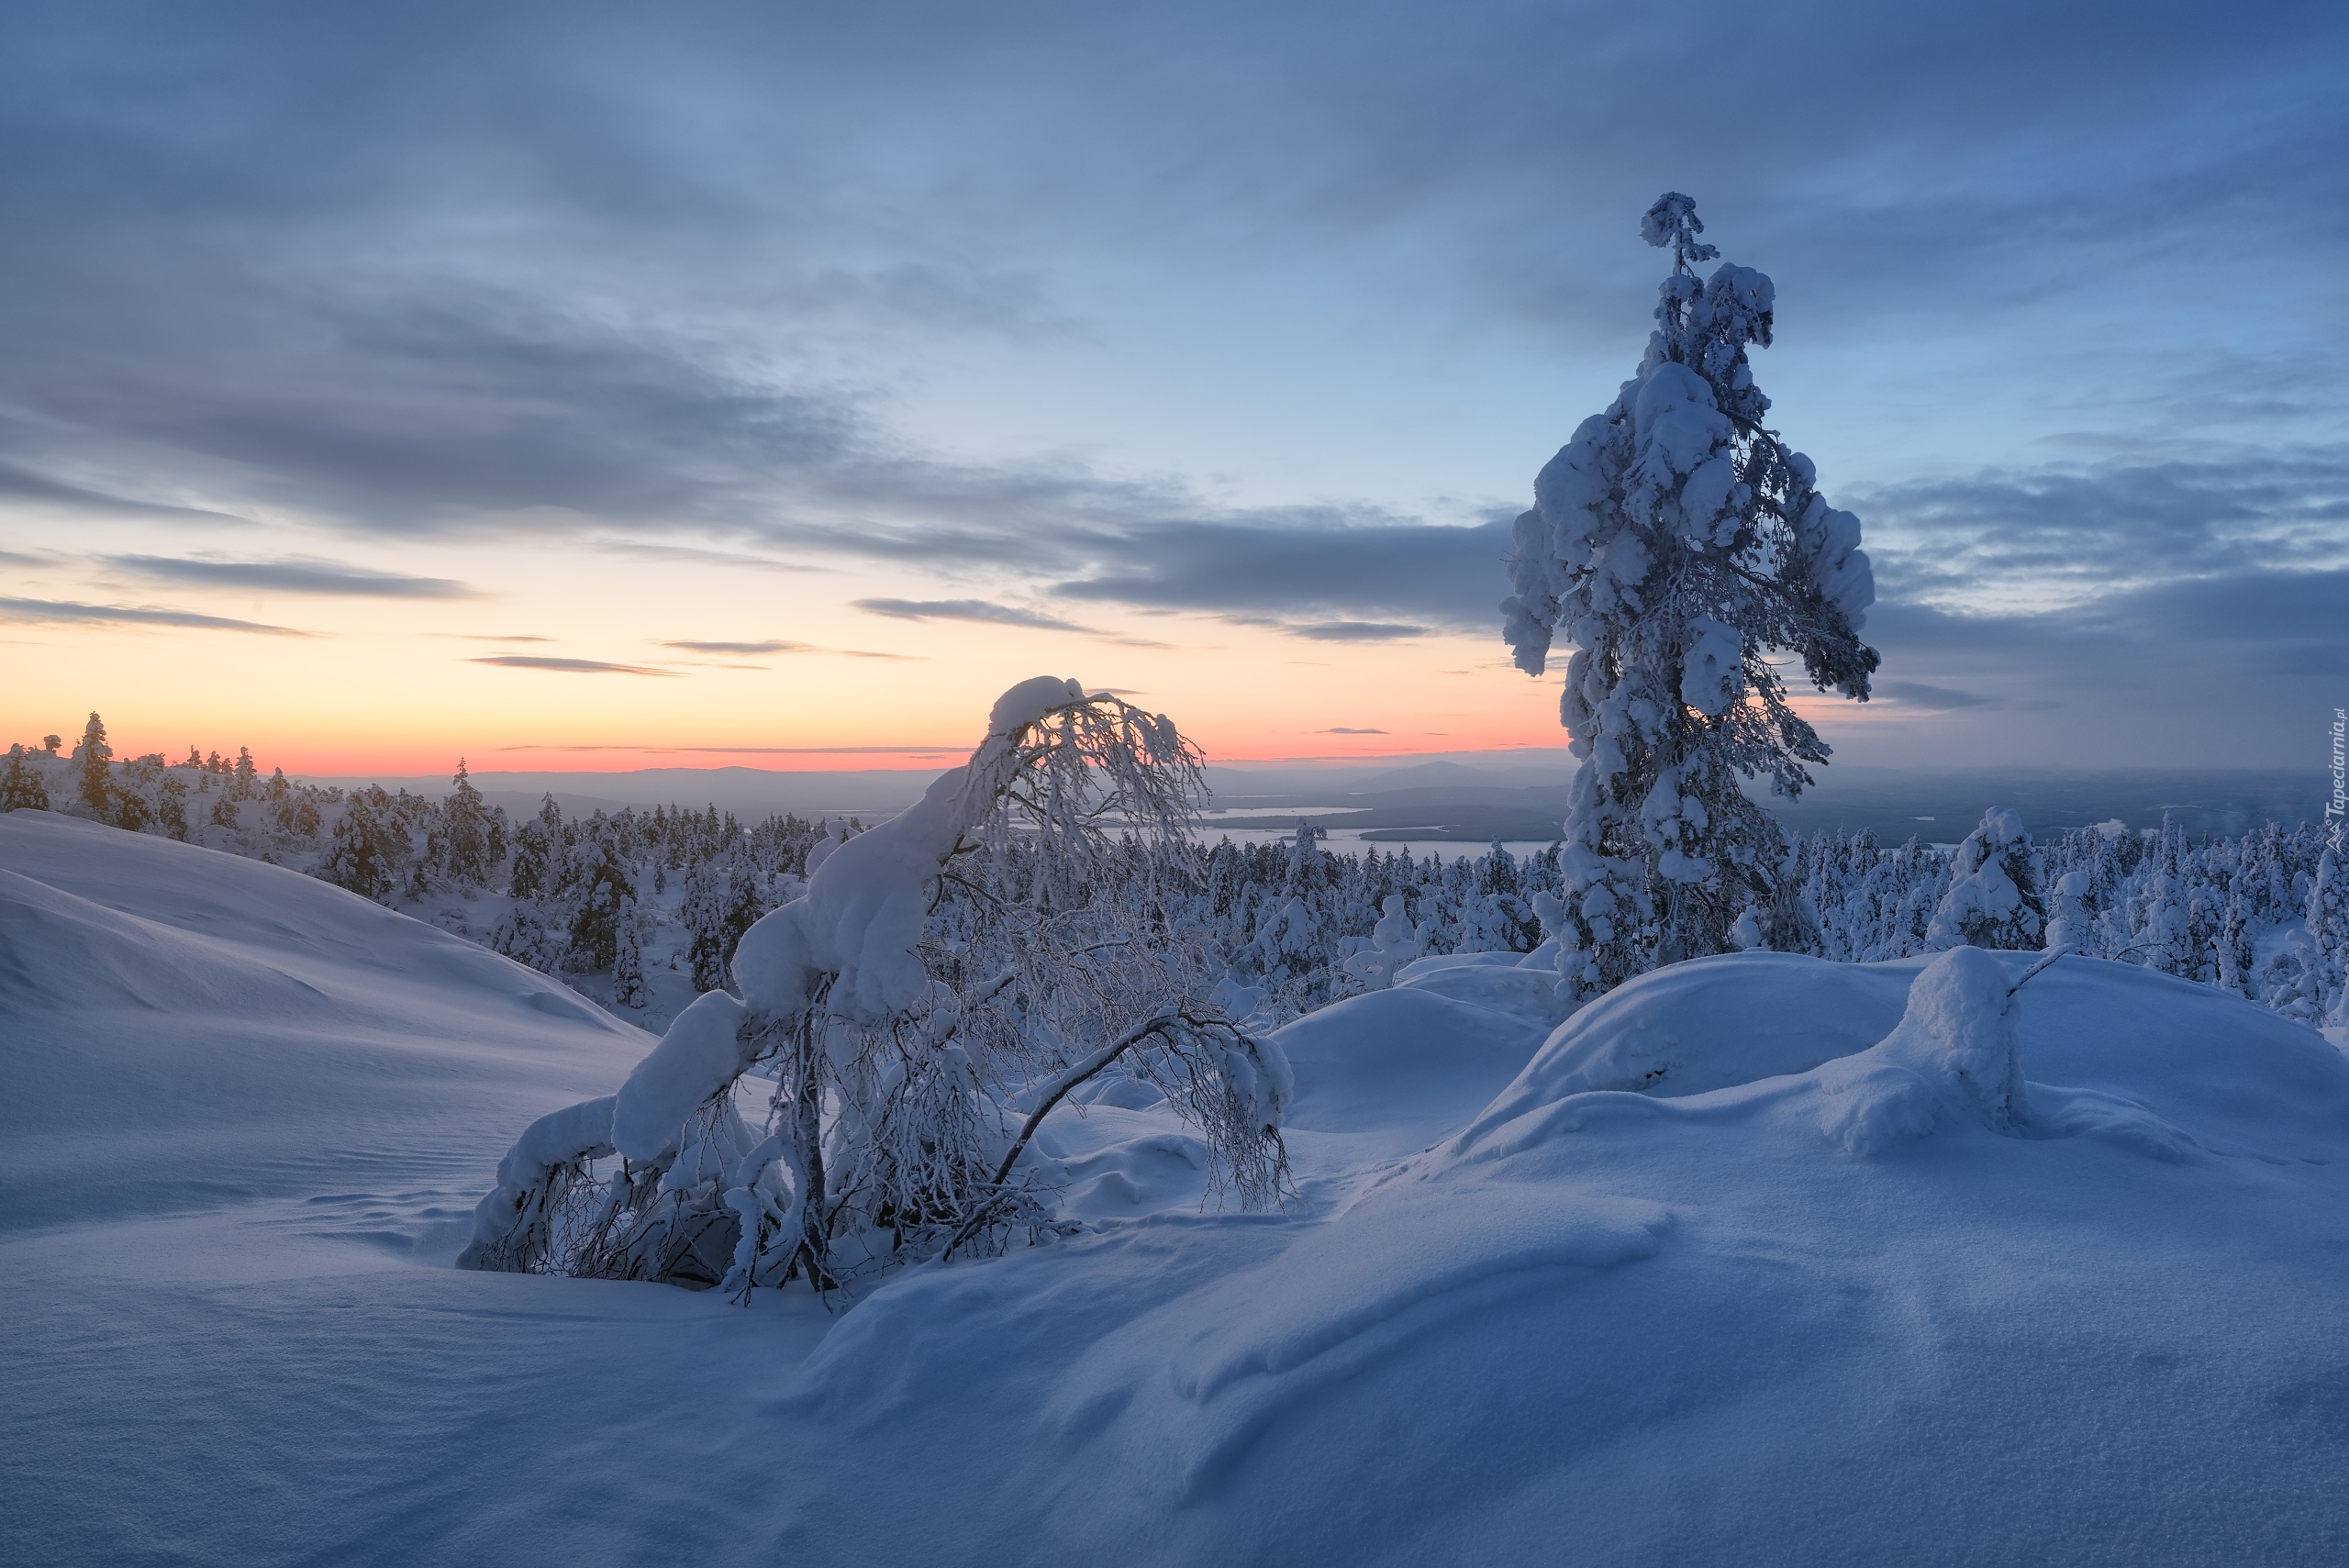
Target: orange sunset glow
789,674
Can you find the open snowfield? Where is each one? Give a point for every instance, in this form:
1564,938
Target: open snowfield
1707,1275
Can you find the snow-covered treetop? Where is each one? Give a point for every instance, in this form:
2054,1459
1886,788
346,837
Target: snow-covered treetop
1681,465
1057,768
1066,767
1673,221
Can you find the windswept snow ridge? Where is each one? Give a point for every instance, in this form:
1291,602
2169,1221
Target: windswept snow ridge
186,1029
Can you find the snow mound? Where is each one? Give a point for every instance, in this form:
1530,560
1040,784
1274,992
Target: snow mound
1953,1050
1882,1051
1410,1060
1713,1022
1531,994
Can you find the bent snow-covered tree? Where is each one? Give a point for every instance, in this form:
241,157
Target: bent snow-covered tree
946,979
1673,543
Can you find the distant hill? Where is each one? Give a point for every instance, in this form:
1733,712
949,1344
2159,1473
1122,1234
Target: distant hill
1449,800
1895,803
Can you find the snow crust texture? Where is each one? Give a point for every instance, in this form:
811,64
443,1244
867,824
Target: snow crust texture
1759,1259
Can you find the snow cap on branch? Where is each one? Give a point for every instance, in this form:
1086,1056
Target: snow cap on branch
1030,700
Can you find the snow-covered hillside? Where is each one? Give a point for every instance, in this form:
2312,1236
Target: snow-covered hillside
1760,1259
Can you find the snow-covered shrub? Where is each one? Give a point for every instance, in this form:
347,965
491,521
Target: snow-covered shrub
945,979
1672,542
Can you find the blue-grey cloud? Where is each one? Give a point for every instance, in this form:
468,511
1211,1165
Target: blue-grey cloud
1916,694
772,645
966,609
565,666
1356,631
1344,730
2173,630
1286,565
776,645
319,577
2232,669
297,292
59,612
699,555
2064,532
23,484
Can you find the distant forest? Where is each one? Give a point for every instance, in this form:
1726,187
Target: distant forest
640,910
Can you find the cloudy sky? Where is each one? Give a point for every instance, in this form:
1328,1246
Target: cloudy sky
602,387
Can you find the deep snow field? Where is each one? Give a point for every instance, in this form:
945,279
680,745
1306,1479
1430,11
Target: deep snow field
1707,1275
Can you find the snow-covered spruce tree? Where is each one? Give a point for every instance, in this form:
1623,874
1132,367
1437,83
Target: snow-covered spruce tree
130,805
171,806
369,845
22,789
468,839
721,903
627,958
2328,926
1993,899
90,759
945,979
537,842
598,886
1673,543
296,815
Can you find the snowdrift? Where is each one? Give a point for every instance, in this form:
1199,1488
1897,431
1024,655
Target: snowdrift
1758,1260
187,1029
